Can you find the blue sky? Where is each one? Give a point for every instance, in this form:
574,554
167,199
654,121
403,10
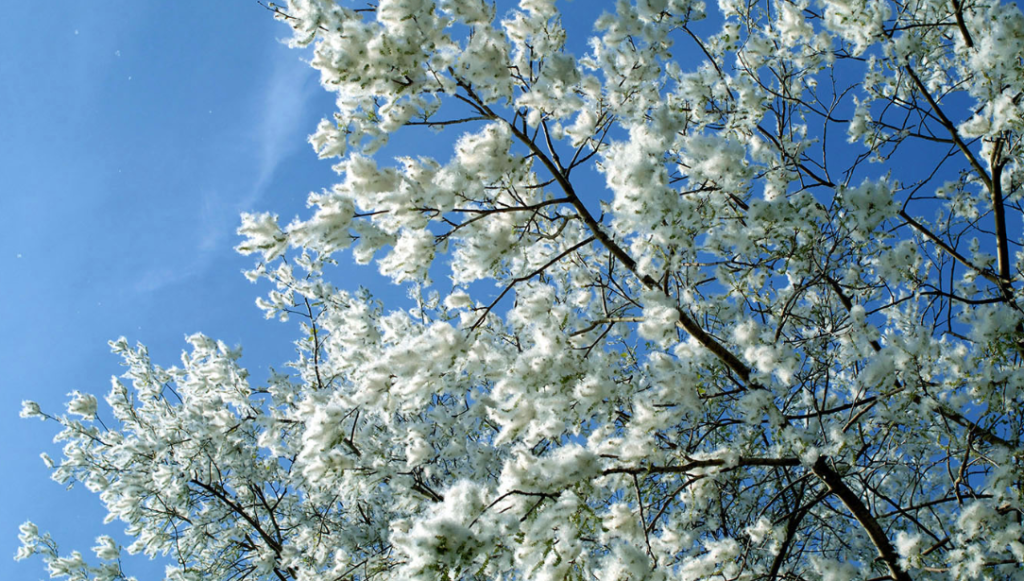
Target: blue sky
132,135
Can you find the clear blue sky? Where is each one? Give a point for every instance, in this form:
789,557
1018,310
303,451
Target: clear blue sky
132,134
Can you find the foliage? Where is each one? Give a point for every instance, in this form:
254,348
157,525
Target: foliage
757,310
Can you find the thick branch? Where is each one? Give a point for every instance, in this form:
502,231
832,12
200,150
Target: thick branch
982,174
867,521
999,214
958,12
240,511
697,464
685,321
950,251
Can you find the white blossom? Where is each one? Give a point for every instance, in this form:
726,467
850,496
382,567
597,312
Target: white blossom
30,409
82,404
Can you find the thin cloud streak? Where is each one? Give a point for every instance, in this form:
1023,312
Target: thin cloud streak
282,105
276,114
289,92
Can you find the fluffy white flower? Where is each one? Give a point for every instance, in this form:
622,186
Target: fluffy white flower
106,548
263,235
30,409
82,404
661,314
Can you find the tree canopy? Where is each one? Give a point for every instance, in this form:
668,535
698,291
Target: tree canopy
700,292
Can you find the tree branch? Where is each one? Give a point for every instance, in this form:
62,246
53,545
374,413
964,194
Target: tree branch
835,484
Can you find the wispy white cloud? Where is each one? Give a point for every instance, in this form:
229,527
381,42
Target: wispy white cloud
289,90
159,277
272,130
278,111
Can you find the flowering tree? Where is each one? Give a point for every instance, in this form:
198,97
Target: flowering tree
720,343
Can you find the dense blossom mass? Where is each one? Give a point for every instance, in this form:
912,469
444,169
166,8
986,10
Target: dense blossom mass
700,292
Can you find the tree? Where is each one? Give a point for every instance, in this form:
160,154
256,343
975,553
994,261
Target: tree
757,311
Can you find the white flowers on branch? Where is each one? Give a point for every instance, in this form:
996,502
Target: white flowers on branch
721,343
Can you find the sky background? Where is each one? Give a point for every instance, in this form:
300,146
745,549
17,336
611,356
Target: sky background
132,135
